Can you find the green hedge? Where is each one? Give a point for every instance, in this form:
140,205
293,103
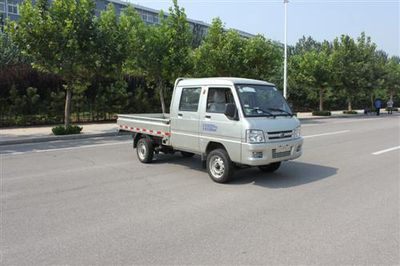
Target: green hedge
62,130
352,112
393,109
321,113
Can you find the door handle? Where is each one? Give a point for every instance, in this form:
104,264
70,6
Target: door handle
208,116
180,115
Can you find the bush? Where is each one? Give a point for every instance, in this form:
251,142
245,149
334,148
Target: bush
395,109
321,113
352,112
61,130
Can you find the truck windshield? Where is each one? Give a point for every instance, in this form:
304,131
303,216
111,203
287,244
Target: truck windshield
262,100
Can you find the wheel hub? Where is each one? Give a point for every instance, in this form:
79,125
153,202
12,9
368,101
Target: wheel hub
217,166
142,150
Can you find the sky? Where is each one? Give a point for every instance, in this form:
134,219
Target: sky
320,19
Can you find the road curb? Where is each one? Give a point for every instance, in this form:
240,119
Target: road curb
54,138
332,116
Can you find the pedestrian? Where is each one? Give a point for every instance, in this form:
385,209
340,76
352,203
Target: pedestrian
378,106
390,106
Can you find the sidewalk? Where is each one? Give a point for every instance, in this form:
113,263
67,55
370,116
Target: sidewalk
10,136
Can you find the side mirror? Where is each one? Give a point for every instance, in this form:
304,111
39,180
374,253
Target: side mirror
231,111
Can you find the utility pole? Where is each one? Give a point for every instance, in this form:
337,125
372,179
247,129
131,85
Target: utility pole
285,2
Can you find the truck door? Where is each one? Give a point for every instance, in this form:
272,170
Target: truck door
215,126
185,120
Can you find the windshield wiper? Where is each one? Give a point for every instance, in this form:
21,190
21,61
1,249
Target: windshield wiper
266,112
280,110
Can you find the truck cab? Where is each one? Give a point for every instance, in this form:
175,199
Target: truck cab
231,121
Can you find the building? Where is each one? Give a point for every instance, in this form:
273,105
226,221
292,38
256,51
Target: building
9,9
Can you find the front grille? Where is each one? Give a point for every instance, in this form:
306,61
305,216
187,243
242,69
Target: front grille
280,154
280,134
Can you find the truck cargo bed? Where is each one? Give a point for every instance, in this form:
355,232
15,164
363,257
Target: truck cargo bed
156,124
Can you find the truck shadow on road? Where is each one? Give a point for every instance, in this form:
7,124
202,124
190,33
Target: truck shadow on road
290,174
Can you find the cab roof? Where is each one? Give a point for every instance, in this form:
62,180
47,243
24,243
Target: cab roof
228,81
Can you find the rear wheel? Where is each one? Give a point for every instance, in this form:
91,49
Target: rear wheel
270,167
219,166
187,154
145,150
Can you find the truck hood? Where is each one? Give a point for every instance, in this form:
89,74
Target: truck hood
269,124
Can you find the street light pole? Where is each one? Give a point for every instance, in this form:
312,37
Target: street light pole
285,57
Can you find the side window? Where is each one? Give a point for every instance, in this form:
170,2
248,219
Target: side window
189,99
218,98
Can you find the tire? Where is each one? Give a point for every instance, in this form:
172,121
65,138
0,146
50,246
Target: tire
270,167
219,166
145,150
187,154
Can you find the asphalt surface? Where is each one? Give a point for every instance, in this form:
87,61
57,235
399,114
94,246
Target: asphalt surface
91,202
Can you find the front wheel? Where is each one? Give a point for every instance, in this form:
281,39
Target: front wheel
145,150
219,166
270,167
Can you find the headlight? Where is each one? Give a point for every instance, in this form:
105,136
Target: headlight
297,132
255,136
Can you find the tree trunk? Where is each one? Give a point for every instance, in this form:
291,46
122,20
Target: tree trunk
372,102
161,90
321,99
349,108
67,112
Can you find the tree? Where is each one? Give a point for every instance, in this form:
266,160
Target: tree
163,51
262,59
354,65
59,39
112,42
226,53
9,52
313,70
221,53
391,80
306,44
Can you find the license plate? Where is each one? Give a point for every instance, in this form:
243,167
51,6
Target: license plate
283,148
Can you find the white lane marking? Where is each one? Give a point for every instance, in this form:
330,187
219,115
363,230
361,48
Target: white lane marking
67,148
387,150
326,134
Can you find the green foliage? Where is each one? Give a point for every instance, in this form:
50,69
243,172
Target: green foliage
321,113
221,53
9,52
163,51
70,129
352,112
226,53
262,60
112,98
59,39
116,63
354,63
391,77
112,42
306,44
312,70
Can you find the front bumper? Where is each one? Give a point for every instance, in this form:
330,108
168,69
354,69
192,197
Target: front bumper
270,152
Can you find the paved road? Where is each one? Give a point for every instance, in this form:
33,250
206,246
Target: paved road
91,202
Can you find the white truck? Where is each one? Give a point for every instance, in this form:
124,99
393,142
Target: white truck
227,121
